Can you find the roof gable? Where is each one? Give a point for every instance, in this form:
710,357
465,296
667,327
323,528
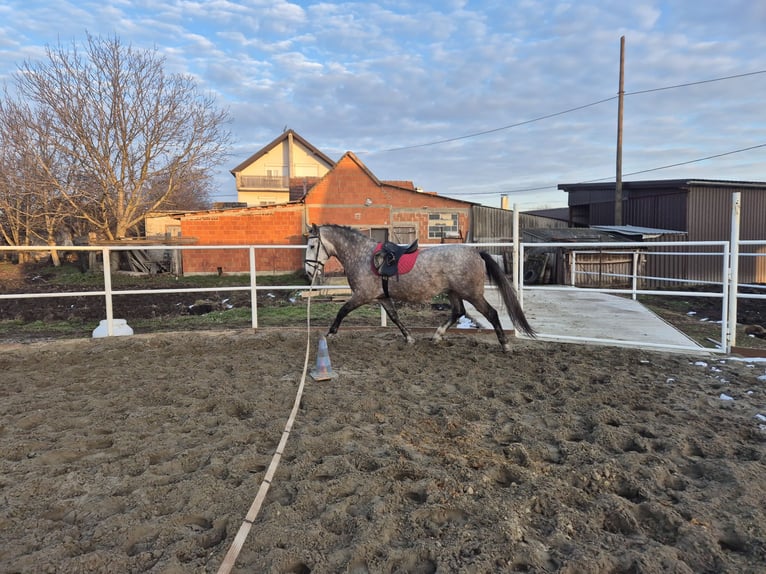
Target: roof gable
278,141
345,175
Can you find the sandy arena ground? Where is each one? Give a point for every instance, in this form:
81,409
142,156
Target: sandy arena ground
144,453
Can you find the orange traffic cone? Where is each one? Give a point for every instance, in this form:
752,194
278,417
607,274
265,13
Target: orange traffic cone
323,370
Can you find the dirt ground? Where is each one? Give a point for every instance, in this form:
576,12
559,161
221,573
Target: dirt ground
144,454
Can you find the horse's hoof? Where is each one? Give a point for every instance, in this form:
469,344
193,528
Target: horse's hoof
410,341
506,348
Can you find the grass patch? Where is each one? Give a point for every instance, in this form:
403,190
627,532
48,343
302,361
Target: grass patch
22,330
70,278
322,315
696,317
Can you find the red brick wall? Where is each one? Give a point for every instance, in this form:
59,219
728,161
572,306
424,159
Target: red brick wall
280,225
340,198
347,195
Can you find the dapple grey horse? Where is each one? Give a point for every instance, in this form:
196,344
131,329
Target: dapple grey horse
458,270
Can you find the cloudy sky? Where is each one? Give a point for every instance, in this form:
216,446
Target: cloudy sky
469,99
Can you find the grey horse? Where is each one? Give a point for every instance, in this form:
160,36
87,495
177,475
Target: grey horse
458,270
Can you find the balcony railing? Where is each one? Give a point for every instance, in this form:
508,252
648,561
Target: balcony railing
273,182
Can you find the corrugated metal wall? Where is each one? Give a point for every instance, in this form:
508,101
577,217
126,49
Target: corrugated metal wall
709,216
660,211
706,215
753,227
661,265
493,225
703,211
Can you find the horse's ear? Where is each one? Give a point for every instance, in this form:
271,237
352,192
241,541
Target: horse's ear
314,229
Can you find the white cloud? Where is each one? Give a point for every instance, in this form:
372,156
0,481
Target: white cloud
368,77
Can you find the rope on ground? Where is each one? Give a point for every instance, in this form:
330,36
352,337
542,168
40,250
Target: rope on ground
244,529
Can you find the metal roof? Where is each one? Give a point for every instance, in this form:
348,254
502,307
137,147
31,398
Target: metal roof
637,231
662,183
568,234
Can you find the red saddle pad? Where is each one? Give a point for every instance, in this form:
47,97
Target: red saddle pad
406,261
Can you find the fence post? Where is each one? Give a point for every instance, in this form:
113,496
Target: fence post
733,272
253,290
107,260
517,254
635,273
515,249
573,268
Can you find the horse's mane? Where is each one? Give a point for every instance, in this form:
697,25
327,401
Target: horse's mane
338,226
349,232
343,227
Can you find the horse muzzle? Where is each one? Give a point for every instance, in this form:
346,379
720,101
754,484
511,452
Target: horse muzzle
313,268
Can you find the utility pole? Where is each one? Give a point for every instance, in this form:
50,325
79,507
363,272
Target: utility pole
618,178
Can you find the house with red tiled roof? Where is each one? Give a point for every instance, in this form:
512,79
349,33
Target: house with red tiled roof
347,194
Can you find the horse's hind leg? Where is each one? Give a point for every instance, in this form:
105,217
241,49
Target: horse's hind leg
388,305
458,310
483,307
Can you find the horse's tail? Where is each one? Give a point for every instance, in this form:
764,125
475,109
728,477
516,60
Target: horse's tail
499,278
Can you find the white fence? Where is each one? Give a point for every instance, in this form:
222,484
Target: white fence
726,289
108,292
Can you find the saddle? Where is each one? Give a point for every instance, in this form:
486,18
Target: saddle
391,259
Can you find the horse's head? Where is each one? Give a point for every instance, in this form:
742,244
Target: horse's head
317,253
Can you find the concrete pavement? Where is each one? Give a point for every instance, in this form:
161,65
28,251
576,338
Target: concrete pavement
573,315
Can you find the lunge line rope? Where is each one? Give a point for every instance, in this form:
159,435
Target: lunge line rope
244,529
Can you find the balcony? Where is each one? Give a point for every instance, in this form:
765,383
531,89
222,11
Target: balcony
263,183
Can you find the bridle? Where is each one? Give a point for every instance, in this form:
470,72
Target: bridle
315,264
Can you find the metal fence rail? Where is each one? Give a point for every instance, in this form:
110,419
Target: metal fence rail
727,289
108,292
723,251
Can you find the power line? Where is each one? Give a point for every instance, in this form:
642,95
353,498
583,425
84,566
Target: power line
695,83
575,109
467,136
688,162
570,110
553,186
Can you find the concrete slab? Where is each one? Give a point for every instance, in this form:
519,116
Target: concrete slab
573,315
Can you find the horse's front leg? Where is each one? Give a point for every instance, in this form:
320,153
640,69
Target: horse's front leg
349,306
388,304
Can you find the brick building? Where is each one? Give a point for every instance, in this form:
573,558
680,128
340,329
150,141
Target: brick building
348,194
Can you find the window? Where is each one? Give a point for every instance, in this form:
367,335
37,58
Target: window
379,234
404,235
172,231
441,225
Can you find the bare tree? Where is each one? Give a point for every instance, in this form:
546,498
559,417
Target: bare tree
16,202
30,169
126,136
187,196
